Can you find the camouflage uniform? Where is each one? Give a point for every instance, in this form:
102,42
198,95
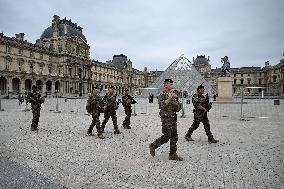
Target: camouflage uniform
94,107
36,100
200,116
169,123
126,102
110,111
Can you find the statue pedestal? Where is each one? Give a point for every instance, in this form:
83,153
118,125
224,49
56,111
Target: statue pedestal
225,89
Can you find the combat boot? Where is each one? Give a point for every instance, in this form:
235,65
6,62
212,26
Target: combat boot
212,140
152,150
101,136
34,128
188,138
90,134
126,127
102,129
174,156
117,131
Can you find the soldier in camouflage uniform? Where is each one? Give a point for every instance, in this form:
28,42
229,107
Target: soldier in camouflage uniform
201,107
127,100
110,107
36,100
168,105
94,108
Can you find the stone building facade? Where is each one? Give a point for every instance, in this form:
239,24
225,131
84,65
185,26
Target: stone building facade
271,78
59,62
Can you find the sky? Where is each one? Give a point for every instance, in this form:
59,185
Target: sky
153,33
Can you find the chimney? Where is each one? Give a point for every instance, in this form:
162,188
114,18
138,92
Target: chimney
193,60
208,58
20,36
266,63
55,26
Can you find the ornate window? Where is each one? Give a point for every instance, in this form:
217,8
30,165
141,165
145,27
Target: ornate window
274,78
20,51
80,73
70,72
49,68
8,49
31,67
20,64
59,48
8,61
59,70
41,65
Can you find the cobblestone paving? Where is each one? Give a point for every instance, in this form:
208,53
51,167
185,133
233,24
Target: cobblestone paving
249,154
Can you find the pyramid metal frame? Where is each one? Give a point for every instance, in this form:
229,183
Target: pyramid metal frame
184,75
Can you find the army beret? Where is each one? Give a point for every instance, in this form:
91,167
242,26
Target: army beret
200,87
175,91
168,81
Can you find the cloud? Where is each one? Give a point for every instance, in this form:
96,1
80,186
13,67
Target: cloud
155,33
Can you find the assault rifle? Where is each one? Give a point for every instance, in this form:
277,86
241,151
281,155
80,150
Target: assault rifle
206,104
133,101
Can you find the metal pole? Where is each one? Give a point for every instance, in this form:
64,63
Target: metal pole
57,111
182,101
134,110
242,99
56,103
146,104
0,106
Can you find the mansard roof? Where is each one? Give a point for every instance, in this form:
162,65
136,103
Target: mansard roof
201,60
65,28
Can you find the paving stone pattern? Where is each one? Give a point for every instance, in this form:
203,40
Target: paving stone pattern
60,155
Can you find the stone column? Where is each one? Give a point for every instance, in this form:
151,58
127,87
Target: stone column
225,89
61,86
52,87
43,88
22,86
9,84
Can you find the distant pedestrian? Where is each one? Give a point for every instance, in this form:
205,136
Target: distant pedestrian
151,98
36,100
169,106
214,96
201,107
20,98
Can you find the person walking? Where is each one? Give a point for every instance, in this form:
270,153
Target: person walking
201,107
169,106
94,107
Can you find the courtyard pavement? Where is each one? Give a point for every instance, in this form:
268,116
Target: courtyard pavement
60,155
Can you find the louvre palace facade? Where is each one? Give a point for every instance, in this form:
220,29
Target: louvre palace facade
59,62
270,78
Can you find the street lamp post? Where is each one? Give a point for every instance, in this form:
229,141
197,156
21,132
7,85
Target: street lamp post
56,108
